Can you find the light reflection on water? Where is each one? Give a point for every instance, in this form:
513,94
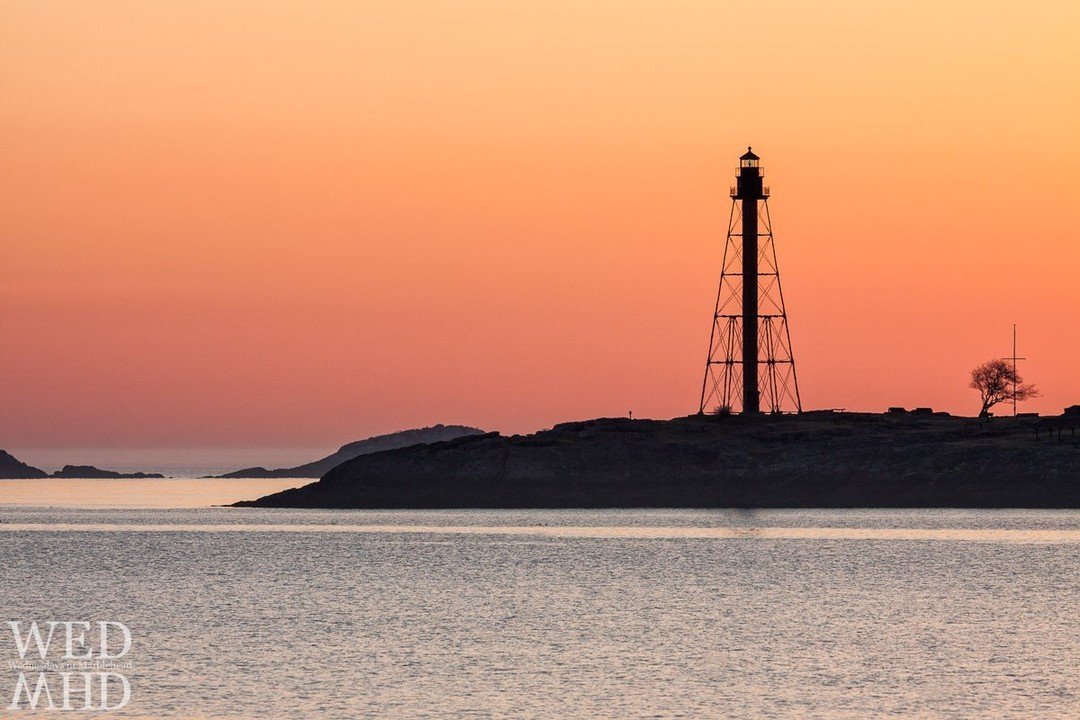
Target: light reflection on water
1002,535
163,493
343,614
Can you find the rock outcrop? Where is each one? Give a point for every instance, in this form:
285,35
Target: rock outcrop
392,441
818,459
14,469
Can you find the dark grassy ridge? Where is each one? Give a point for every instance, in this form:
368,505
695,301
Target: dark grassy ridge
819,459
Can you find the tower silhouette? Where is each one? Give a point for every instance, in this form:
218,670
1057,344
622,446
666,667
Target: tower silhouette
750,343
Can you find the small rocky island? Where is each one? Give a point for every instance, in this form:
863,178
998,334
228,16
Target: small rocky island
13,469
91,472
816,459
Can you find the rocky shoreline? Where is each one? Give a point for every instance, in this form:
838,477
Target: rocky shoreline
817,459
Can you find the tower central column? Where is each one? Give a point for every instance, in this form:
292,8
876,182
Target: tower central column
749,190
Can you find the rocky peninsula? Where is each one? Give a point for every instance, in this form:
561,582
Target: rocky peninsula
816,459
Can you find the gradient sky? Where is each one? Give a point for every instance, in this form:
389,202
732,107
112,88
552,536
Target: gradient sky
264,223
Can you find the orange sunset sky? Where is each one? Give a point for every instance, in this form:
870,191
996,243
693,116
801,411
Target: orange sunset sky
278,224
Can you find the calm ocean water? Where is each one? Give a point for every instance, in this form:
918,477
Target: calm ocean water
348,614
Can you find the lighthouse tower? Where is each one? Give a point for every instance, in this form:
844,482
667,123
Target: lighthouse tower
750,367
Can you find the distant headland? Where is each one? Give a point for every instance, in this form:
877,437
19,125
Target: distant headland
813,459
12,468
378,443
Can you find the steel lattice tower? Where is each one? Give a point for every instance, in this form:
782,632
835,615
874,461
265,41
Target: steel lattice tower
750,343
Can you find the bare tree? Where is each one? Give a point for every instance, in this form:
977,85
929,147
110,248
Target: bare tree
997,381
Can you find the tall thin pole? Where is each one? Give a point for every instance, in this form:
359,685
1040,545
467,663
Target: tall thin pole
1014,369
